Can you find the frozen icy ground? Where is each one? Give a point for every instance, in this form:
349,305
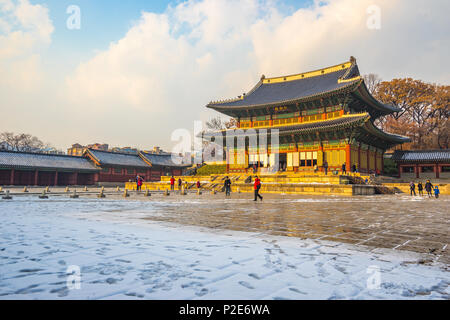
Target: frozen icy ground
122,256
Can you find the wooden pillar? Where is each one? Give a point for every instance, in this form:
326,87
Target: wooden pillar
75,178
382,162
36,177
359,158
368,160
400,170
348,163
55,182
376,160
417,168
436,169
11,177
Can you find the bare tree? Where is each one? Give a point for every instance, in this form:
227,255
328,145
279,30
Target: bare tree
21,142
372,82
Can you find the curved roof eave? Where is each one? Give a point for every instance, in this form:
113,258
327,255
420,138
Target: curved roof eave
384,108
385,135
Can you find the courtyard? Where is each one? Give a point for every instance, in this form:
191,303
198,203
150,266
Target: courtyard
210,247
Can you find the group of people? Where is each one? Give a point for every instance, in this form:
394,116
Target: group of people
226,184
428,187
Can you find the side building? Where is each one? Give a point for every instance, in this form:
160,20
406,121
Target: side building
23,168
425,164
94,167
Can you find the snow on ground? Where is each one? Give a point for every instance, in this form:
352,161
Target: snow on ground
122,258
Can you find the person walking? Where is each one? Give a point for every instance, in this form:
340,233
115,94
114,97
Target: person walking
257,187
198,184
420,188
436,191
354,168
344,169
412,188
139,183
227,185
325,167
429,188
172,183
179,183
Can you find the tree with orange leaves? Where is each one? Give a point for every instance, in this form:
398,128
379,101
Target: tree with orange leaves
424,111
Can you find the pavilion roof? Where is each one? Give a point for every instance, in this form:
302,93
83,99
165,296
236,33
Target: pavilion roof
303,87
28,160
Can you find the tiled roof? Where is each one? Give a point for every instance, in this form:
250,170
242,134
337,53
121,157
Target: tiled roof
118,159
422,155
267,93
304,87
23,160
165,160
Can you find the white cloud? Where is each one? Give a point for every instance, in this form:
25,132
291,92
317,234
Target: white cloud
160,75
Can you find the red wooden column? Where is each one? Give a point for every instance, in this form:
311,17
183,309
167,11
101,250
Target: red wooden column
11,177
436,170
75,178
417,169
36,177
382,162
348,164
55,182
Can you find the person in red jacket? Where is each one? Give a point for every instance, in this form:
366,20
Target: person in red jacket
256,187
198,184
172,183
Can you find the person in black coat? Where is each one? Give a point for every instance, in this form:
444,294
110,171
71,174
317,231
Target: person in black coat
227,185
429,188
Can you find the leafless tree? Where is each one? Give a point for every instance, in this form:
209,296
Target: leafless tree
372,82
21,142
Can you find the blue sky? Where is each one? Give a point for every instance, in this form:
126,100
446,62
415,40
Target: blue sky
135,71
106,21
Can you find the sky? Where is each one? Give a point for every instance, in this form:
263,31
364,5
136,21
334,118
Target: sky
135,71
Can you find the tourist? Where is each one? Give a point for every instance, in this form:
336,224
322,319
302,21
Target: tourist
316,168
179,183
198,184
412,188
325,167
344,169
436,191
257,187
354,168
227,185
172,183
420,188
139,183
429,188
